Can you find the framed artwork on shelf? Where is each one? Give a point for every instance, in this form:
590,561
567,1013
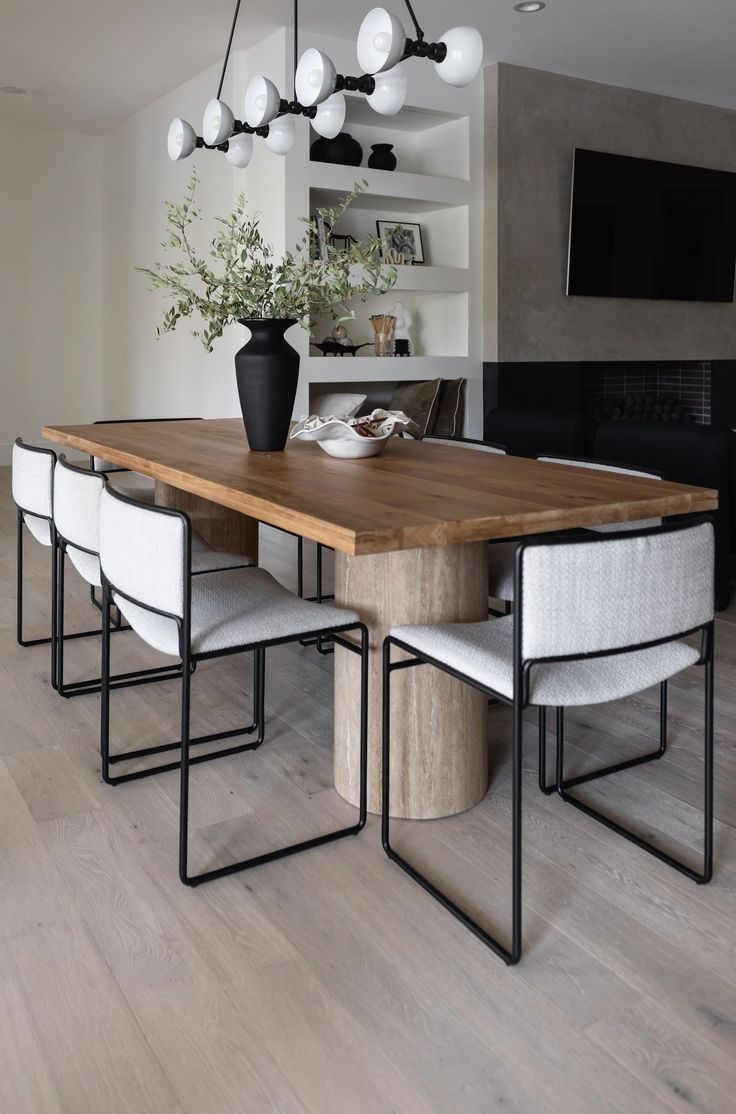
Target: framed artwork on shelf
405,239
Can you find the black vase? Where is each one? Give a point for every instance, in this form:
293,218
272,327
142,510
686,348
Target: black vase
383,157
267,371
342,149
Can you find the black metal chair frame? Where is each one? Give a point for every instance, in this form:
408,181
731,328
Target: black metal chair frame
51,639
188,661
520,700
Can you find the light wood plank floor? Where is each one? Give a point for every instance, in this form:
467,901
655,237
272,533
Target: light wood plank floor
328,983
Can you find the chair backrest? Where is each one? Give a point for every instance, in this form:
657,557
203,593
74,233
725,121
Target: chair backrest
467,443
145,552
579,596
77,494
622,469
33,479
99,464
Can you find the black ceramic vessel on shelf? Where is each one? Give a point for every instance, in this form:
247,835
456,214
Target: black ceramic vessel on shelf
267,371
342,149
383,157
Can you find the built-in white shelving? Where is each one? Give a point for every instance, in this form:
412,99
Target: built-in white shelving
437,140
401,191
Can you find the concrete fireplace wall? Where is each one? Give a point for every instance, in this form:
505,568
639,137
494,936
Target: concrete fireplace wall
534,120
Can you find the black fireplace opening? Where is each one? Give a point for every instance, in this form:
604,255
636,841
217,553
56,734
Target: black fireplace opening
692,392
660,393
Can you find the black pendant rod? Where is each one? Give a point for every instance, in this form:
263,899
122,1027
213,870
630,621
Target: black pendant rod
227,52
296,42
415,21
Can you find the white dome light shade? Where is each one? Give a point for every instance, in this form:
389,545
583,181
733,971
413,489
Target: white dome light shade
381,41
390,93
330,116
262,101
181,139
315,77
464,55
240,149
281,135
217,123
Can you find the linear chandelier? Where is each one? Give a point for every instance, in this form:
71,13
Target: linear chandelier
382,47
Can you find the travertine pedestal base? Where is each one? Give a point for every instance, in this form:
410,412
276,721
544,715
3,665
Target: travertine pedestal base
439,751
226,530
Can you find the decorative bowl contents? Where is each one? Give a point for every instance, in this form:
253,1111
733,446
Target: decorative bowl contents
351,437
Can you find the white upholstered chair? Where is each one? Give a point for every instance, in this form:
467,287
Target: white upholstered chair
33,494
501,585
597,618
501,581
147,571
77,493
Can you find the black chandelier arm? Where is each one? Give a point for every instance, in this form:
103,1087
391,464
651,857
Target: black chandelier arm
229,47
294,108
415,21
418,48
363,84
296,42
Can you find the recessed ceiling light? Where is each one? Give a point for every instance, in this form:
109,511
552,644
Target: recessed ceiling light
11,89
530,6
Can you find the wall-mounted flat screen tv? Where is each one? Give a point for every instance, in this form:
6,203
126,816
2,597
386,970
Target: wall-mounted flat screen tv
644,229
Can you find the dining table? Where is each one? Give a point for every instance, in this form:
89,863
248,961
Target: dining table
410,529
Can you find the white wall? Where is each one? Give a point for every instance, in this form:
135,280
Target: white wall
51,306
175,376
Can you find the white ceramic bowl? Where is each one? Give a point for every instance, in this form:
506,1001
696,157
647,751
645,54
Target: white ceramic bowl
337,438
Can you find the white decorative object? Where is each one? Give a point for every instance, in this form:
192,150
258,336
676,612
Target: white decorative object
404,322
353,438
337,405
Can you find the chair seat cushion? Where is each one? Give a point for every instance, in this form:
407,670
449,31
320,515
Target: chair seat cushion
39,527
206,559
484,652
237,607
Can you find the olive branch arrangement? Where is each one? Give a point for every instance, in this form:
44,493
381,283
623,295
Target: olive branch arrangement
242,280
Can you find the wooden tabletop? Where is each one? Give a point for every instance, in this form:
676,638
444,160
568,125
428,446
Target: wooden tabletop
412,496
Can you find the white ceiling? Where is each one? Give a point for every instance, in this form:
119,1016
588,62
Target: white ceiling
88,64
